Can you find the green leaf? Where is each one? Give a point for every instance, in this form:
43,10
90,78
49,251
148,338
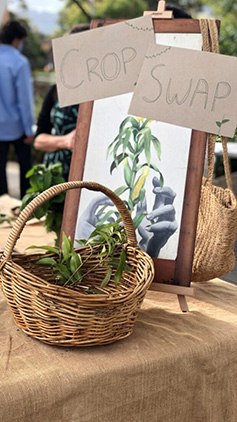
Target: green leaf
59,198
46,248
58,219
140,140
146,122
66,245
127,173
56,168
81,241
153,167
105,218
225,121
34,182
114,262
142,195
101,210
147,143
120,158
107,278
40,212
64,273
120,190
103,251
129,134
75,262
120,268
110,146
161,180
47,261
47,179
140,166
49,219
115,152
30,190
57,180
26,200
130,204
131,149
29,173
157,146
138,219
130,120
218,124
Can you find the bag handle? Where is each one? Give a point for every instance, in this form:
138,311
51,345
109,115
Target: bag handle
210,41
55,190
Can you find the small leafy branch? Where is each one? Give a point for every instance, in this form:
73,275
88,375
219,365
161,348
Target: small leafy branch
68,265
4,218
219,124
133,143
42,178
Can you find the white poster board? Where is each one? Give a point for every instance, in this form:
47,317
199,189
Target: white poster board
106,118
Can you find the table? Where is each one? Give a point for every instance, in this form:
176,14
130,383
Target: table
174,367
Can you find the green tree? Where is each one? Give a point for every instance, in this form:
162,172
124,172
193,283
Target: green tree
70,15
120,9
76,11
226,11
32,45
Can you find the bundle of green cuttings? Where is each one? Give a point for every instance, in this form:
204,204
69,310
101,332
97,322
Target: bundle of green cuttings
68,266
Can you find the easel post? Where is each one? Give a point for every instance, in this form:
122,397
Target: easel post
173,276
161,13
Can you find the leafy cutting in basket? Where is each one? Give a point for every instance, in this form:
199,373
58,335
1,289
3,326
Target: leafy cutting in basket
67,265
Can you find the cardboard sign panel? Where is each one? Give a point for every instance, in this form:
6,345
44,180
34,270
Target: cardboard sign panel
188,88
102,62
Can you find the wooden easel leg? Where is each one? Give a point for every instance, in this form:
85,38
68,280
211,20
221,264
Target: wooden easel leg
183,303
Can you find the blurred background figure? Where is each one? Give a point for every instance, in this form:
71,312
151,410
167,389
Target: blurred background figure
56,131
16,103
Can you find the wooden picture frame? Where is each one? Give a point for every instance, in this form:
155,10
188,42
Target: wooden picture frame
170,275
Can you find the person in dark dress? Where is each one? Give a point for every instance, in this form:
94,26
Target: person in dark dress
56,131
56,127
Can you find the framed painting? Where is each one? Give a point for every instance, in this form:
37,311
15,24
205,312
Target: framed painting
155,167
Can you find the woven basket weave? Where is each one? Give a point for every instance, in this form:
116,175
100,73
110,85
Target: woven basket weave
61,316
216,233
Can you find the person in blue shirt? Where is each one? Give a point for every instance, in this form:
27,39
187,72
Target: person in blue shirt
16,103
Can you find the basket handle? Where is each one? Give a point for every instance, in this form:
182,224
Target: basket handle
55,190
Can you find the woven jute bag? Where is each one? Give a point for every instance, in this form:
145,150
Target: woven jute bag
62,316
217,218
217,225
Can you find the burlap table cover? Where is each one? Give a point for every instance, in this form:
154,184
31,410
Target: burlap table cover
174,367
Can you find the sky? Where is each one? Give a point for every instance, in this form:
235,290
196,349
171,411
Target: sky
52,6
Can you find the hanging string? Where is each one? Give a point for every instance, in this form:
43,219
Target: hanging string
210,43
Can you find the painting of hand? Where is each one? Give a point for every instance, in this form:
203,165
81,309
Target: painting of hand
90,217
160,224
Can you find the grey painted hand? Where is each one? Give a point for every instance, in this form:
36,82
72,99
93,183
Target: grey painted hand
162,220
89,218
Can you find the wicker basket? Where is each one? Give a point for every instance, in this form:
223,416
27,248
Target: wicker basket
62,316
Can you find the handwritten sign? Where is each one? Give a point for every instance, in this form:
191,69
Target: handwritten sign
188,88
102,62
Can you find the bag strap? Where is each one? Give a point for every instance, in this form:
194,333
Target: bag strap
210,42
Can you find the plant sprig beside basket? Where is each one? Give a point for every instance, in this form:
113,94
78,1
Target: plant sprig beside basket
68,265
41,178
